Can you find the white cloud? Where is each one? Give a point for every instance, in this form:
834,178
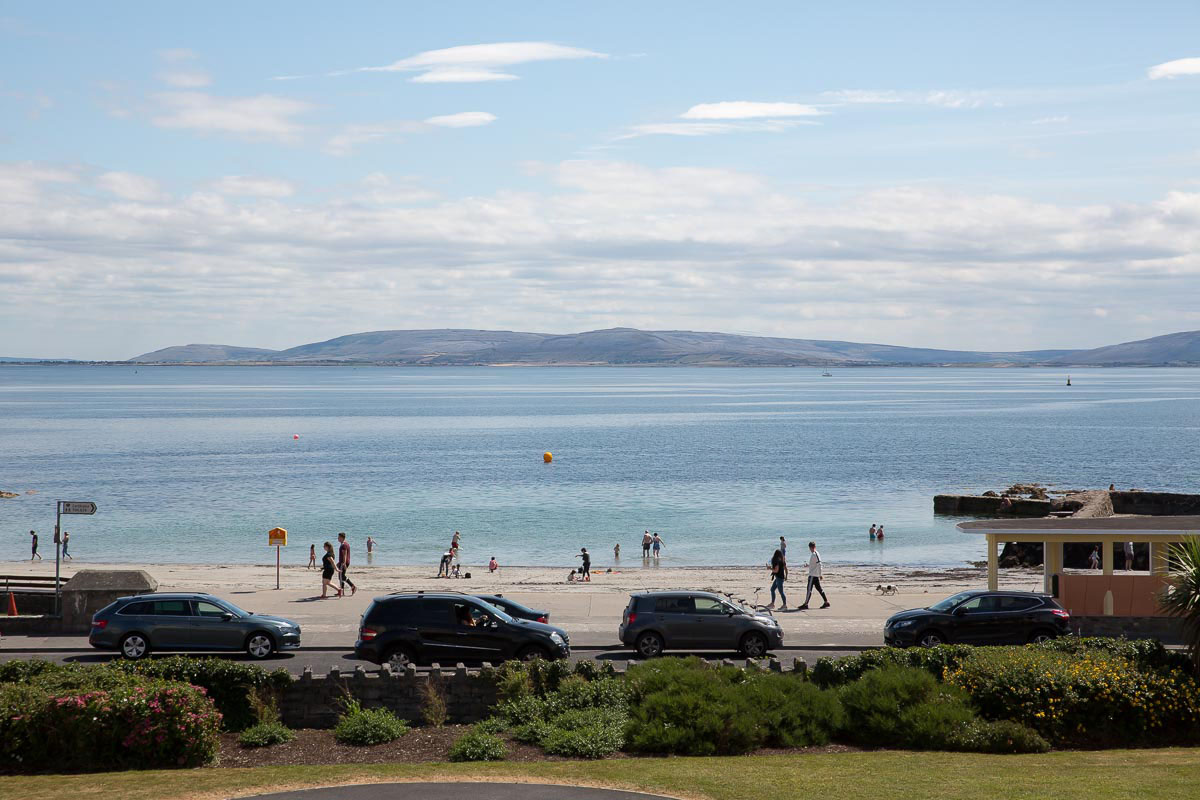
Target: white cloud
187,80
463,119
944,98
177,55
263,116
746,109
1050,120
129,186
1174,69
251,186
350,137
479,62
709,128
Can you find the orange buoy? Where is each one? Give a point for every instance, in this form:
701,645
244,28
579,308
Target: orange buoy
547,456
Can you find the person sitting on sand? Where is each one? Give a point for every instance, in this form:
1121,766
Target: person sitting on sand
571,576
493,565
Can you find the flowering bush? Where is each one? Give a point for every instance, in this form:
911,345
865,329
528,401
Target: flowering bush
138,723
833,672
1089,697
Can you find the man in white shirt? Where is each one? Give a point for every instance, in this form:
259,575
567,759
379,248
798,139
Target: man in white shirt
814,577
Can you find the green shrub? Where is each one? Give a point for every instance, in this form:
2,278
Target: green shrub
131,723
903,707
1091,697
433,701
1002,736
492,725
368,726
478,746
686,707
584,733
1147,654
265,734
833,672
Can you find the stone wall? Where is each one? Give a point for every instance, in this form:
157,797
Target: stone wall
1167,630
1155,504
985,506
316,701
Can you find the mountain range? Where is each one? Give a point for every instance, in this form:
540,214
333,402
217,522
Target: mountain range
629,347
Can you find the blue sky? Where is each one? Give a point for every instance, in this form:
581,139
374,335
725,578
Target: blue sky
936,174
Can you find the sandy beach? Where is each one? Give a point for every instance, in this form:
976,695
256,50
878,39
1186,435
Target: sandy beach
591,611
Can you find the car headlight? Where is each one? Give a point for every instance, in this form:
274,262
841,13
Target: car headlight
556,638
904,623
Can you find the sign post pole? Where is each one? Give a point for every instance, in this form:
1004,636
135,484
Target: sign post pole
277,538
278,549
64,507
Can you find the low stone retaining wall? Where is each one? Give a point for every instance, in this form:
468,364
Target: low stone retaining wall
316,701
1167,630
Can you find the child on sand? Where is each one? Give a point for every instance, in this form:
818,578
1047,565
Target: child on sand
493,565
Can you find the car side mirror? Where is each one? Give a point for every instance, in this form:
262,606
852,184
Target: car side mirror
227,617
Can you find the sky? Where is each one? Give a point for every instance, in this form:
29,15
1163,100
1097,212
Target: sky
995,176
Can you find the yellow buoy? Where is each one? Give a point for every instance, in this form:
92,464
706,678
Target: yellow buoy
547,457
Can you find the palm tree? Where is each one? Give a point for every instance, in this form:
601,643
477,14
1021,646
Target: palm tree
1182,597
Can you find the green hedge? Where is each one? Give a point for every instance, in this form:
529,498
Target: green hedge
230,684
104,720
1092,696
367,726
833,672
478,745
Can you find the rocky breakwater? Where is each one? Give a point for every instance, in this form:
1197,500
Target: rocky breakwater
1018,500
7,495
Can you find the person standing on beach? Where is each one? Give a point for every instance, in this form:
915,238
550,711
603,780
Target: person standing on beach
344,565
36,555
66,542
327,572
814,577
646,540
444,566
312,556
778,576
585,571
657,544
617,551
783,546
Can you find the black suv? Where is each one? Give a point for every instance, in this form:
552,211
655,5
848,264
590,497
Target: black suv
658,621
428,627
980,617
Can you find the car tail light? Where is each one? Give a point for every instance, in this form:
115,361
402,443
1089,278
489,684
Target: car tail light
631,617
1058,612
542,618
100,623
367,634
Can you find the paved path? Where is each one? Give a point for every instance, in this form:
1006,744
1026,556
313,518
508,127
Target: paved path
456,791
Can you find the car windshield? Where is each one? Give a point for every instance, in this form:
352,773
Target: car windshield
944,606
500,603
231,607
495,612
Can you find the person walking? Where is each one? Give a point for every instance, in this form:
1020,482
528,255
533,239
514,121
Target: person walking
344,566
327,572
1094,558
585,571
646,540
312,557
814,577
66,542
778,576
783,546
36,555
657,544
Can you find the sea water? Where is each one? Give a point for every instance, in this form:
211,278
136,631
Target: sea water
195,464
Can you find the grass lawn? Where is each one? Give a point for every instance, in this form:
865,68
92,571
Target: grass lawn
1097,775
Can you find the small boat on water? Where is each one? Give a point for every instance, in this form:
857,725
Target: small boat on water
827,374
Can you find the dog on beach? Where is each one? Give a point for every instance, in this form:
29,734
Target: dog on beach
885,589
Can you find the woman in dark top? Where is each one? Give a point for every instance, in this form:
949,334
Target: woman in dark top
328,565
778,576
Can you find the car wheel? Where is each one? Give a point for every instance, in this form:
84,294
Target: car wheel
533,652
398,659
260,645
650,645
1041,636
931,639
754,645
135,646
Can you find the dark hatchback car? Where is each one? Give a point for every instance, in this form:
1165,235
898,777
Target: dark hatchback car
514,609
980,617
657,621
428,627
136,625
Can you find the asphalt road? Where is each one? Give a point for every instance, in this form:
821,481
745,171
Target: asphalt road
321,661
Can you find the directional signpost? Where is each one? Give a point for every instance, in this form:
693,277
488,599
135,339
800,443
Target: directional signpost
65,507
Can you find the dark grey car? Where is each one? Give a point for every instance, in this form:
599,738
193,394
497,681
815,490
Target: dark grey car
136,625
657,621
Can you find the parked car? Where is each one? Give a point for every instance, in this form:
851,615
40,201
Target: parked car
513,608
654,622
445,627
980,617
137,625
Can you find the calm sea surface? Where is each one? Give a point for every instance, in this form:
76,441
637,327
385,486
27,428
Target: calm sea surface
195,464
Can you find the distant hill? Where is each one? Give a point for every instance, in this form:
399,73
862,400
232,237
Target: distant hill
1174,349
615,346
199,353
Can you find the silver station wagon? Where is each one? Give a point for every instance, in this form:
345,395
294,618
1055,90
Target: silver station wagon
178,622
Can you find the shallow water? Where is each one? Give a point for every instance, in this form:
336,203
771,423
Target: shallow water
195,464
